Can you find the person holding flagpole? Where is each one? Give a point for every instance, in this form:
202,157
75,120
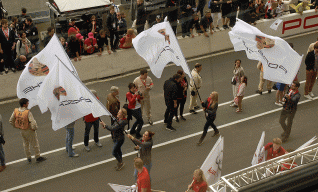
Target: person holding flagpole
195,85
199,183
210,106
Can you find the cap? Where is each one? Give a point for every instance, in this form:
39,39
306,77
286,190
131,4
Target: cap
90,35
79,36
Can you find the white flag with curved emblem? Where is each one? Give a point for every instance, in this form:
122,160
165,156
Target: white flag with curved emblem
259,155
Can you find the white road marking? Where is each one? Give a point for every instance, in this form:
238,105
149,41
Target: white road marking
156,146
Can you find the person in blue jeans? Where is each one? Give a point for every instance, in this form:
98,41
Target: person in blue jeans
117,132
2,157
69,140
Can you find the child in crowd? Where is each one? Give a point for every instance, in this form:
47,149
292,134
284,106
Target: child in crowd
101,41
126,42
240,93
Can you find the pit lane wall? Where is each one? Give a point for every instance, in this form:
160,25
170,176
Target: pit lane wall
123,61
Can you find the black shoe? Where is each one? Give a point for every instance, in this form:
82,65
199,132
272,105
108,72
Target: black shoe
150,122
217,28
170,128
177,120
182,118
193,111
6,70
201,140
259,92
40,159
269,91
120,166
164,122
196,107
217,133
29,160
114,50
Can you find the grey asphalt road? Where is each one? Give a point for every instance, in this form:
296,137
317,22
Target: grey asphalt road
173,163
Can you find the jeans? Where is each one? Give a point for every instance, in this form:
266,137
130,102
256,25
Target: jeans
117,149
139,121
289,115
209,122
69,141
2,157
148,167
88,126
170,112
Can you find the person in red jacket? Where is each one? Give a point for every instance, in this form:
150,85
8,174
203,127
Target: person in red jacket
143,178
134,97
90,120
199,183
274,149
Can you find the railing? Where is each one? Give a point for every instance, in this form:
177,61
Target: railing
260,173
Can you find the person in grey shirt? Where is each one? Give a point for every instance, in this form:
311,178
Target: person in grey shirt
2,157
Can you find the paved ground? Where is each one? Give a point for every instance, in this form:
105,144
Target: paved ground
173,159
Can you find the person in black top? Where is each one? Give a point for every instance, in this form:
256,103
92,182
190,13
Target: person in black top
122,24
32,34
172,9
201,6
7,41
158,20
112,25
194,23
101,41
21,19
206,22
141,16
93,26
226,9
74,48
181,94
186,15
170,93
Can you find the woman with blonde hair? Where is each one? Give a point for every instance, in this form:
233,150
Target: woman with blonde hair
126,41
210,107
199,183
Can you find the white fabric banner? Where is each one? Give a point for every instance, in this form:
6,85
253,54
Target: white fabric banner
212,165
280,62
307,143
67,97
39,67
159,46
259,155
122,188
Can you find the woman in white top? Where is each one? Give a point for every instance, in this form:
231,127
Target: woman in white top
23,46
240,93
238,72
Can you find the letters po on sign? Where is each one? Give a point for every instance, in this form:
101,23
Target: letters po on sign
296,23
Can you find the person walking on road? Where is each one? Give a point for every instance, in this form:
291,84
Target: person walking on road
195,85
23,119
240,94
311,62
144,147
210,106
143,178
113,103
134,98
182,94
238,72
170,90
117,131
144,84
69,140
262,80
2,156
289,110
199,183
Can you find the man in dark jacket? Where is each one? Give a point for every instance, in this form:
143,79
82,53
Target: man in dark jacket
172,9
186,15
7,42
311,62
141,16
32,34
170,89
289,110
112,25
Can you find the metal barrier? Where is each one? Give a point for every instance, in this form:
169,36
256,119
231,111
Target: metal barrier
264,172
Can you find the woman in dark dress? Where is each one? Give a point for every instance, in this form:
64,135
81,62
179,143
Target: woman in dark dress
181,95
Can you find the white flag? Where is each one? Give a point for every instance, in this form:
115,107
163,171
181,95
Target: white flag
276,24
122,188
67,97
159,46
39,67
259,155
307,143
212,165
280,61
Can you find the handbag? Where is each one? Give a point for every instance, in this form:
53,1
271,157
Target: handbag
2,141
233,82
274,87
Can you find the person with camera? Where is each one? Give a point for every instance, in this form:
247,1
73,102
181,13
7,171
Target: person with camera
195,85
2,142
289,110
238,72
134,98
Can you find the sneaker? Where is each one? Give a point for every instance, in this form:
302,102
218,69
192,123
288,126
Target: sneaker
193,111
177,120
233,105
308,96
182,118
200,142
259,92
98,144
87,148
279,104
13,69
311,94
114,50
6,70
40,159
269,91
29,160
216,134
2,168
196,107
217,28
170,128
150,122
120,166
75,155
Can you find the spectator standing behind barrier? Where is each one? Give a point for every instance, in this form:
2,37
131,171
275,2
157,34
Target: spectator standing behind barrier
90,121
194,23
32,34
2,155
72,30
200,7
215,6
122,25
205,23
226,10
7,45
21,19
311,46
311,62
186,15
23,46
50,33
279,9
262,80
20,62
238,72
144,84
14,26
173,14
158,20
64,44
94,25
101,41
170,90
141,16
289,110
210,106
90,44
126,41
144,147
195,85
143,177
23,119
240,93
74,48
69,140
117,131
134,98
181,95
274,149
112,25
199,183
112,102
